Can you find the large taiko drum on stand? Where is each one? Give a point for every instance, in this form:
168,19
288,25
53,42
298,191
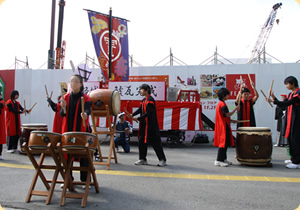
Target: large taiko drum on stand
26,130
78,140
254,145
39,140
103,97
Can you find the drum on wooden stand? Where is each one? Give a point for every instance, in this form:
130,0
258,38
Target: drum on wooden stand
39,140
26,130
254,145
78,140
103,97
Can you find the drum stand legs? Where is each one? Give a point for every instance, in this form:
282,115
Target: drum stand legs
38,172
84,153
111,132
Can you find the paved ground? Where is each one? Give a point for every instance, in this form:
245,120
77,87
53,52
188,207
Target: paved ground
190,181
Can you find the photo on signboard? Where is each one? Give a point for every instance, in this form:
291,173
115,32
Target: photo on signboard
215,92
219,80
191,81
206,93
206,80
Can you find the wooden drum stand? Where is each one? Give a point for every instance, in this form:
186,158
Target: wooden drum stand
58,168
85,152
111,132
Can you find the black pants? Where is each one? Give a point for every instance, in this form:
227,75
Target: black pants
1,148
222,152
294,147
156,144
13,142
84,162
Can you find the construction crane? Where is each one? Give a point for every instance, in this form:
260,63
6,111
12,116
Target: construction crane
264,34
60,50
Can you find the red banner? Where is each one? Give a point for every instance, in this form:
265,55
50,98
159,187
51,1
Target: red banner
233,84
7,83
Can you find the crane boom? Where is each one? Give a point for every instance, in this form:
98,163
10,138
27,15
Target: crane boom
264,34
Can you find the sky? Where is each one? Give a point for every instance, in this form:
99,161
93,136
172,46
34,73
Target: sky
192,29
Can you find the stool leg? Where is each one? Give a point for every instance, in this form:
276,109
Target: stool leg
49,197
67,180
92,169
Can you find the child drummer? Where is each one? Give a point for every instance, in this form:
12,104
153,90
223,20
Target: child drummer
292,120
223,134
246,111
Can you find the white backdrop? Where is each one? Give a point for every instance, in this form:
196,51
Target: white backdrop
30,84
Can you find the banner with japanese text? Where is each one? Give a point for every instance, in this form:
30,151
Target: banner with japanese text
131,90
99,25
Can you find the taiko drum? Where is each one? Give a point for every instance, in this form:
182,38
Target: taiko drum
103,97
26,129
78,140
39,140
254,145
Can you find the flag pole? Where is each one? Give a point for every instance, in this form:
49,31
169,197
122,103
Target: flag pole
110,44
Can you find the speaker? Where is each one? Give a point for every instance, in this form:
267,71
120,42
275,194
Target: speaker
172,94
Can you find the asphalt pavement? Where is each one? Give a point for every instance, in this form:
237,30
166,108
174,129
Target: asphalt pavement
189,181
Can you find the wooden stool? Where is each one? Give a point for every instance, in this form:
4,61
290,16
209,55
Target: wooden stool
86,152
58,167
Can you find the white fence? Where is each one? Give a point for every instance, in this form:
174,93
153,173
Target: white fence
30,84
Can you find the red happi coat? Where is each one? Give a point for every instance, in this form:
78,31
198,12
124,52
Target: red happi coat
2,123
220,127
57,122
11,128
291,115
86,98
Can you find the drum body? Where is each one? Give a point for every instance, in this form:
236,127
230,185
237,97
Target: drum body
39,139
77,140
26,130
103,97
254,145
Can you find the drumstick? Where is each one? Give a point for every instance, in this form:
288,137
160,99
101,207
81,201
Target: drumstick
62,96
265,97
82,110
271,89
250,79
32,107
242,121
127,113
50,97
25,107
241,79
46,91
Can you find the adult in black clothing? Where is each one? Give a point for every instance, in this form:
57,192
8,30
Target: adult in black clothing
73,118
148,130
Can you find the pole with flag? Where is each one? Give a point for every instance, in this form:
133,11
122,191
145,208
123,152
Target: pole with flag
110,37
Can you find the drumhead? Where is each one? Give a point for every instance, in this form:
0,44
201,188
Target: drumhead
256,129
79,133
115,102
46,132
28,125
